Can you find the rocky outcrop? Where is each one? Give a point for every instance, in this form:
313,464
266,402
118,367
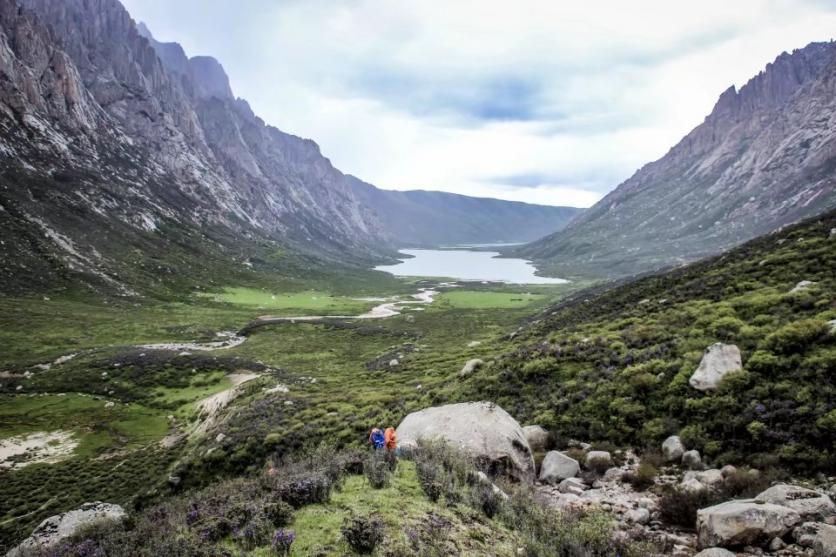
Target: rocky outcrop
718,361
58,527
481,429
762,159
537,437
556,467
810,504
744,522
825,542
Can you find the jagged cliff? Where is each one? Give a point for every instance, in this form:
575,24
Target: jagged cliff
764,157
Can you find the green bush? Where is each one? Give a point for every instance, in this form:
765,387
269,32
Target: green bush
795,337
363,533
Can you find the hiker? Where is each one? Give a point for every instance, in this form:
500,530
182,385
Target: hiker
376,439
391,443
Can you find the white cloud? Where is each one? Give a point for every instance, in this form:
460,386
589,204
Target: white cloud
460,95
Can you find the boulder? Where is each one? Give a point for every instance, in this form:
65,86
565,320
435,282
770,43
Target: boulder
692,460
709,478
802,286
810,504
805,534
556,467
673,449
470,366
598,459
692,485
715,552
825,543
718,361
743,522
728,470
575,486
481,429
638,516
61,526
537,437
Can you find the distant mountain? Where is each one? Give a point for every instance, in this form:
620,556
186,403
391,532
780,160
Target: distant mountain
123,161
430,218
763,158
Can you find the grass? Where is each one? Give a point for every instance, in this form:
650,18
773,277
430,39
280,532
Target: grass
475,299
305,302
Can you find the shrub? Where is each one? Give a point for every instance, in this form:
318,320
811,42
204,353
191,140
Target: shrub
744,482
377,469
488,499
796,336
599,465
679,507
363,533
306,490
278,513
644,476
282,542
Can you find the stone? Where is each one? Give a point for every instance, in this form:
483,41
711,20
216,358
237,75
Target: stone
777,544
556,467
614,474
728,470
805,534
394,362
220,437
470,366
810,504
743,522
482,429
638,516
715,552
825,542
709,478
673,449
718,361
61,526
537,437
802,286
572,485
692,460
598,459
692,485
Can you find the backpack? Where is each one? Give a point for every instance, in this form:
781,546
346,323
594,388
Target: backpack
377,439
391,439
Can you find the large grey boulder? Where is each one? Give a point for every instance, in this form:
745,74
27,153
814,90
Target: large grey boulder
556,467
692,460
825,544
715,552
743,522
56,528
673,449
537,437
481,429
810,504
718,361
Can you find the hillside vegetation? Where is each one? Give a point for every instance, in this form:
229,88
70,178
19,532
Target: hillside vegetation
615,366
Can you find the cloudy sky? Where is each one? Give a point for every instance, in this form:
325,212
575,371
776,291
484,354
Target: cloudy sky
546,101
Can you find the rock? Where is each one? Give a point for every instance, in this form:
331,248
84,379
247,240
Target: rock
805,534
220,437
709,478
832,325
743,522
174,481
573,486
728,470
614,475
777,544
802,286
470,366
598,459
825,542
484,479
692,460
537,437
810,504
673,449
56,528
482,429
394,362
718,361
638,516
556,467
715,552
692,485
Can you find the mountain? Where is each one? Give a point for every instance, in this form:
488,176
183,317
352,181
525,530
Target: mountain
763,158
430,218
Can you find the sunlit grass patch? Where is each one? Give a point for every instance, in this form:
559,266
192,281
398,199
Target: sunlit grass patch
309,300
476,299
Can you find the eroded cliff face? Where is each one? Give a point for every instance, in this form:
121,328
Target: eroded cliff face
106,129
764,157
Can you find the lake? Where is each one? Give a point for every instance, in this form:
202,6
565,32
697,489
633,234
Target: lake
465,264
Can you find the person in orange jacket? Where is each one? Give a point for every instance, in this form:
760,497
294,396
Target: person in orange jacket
391,443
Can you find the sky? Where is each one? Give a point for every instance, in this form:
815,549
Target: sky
543,101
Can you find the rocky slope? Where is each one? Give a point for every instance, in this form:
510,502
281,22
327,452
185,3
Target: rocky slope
764,157
431,218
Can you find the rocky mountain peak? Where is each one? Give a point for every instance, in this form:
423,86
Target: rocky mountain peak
210,79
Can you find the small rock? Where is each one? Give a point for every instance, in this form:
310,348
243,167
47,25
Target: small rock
715,552
673,449
470,366
613,475
174,481
638,516
692,485
728,470
392,363
805,534
557,467
692,460
802,285
109,404
572,485
777,544
219,438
